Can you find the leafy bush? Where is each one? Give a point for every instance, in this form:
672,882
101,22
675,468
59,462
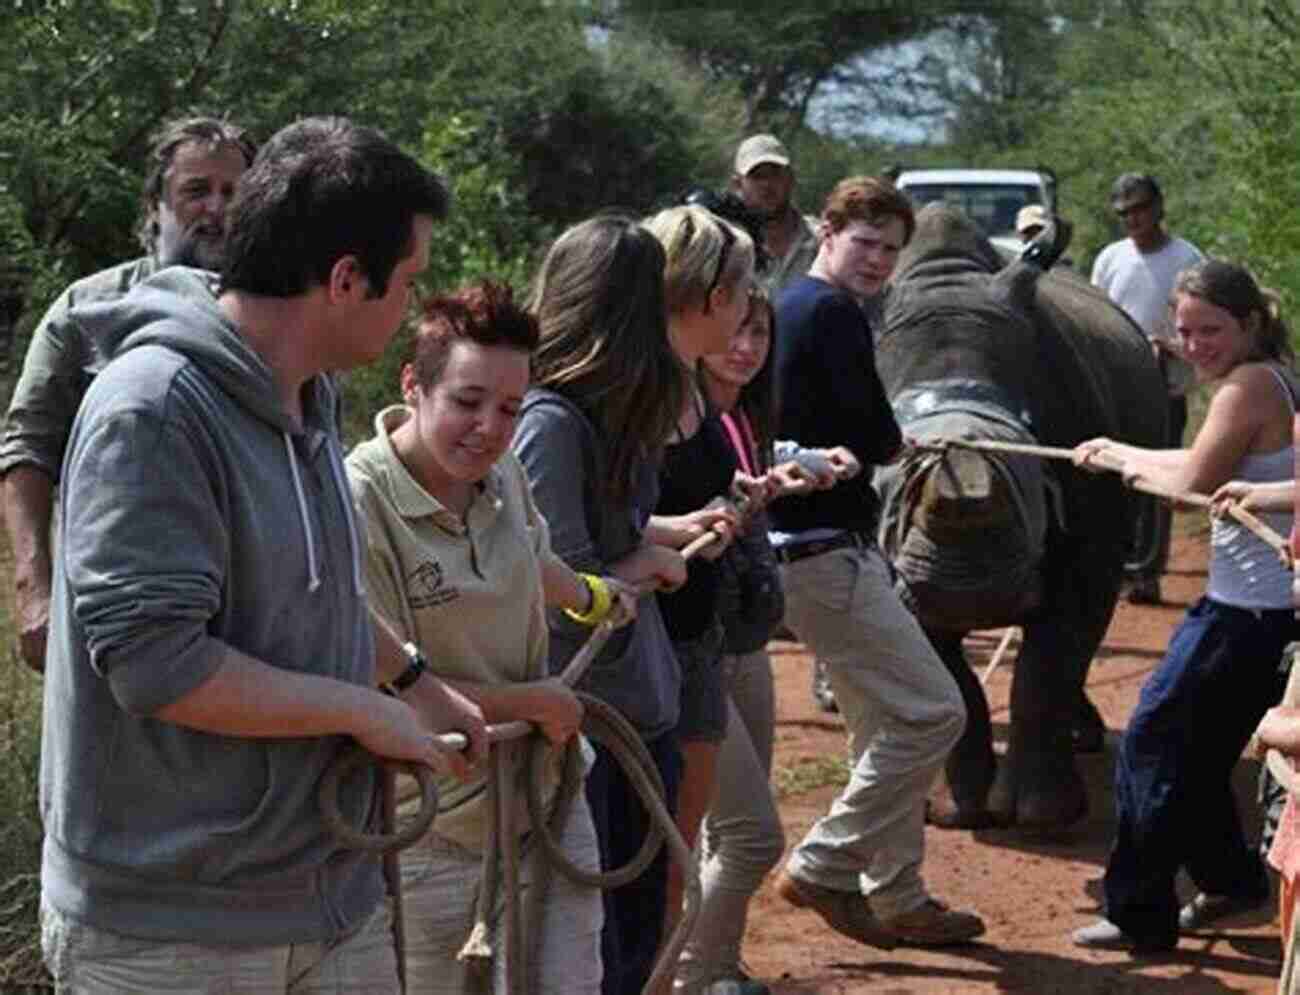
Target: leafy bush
20,832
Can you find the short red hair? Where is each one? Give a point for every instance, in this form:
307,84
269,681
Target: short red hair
870,199
485,313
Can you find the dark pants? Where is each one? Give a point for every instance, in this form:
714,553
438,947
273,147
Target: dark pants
1173,788
634,913
1150,556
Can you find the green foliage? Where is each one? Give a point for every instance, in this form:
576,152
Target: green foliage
780,55
823,162
488,235
809,774
1203,95
534,143
20,832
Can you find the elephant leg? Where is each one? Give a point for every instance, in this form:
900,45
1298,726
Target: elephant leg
1037,784
1089,731
958,802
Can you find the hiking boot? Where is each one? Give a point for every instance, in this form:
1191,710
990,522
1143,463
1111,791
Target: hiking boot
821,689
934,924
1204,909
846,912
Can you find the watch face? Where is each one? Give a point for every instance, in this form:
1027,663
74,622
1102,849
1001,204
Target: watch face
416,665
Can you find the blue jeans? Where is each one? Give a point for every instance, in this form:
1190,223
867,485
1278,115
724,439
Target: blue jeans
634,913
1173,789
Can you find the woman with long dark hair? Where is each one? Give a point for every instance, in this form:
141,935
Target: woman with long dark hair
607,389
1220,673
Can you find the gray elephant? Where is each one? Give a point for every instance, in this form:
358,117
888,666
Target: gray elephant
972,349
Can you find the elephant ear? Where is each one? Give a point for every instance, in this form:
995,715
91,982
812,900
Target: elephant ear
946,233
1015,284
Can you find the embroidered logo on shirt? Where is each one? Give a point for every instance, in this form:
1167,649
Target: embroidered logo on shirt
425,586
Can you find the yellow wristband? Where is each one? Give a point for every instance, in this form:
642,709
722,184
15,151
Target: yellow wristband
602,600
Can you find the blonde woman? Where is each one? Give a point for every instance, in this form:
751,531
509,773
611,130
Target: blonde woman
707,286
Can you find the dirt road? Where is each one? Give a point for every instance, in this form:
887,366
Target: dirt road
1030,892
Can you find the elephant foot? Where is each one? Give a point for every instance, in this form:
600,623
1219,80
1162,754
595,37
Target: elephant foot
945,809
1039,804
949,815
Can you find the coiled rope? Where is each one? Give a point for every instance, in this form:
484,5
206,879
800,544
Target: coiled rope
602,723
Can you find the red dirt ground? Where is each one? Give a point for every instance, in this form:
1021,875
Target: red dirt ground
1031,893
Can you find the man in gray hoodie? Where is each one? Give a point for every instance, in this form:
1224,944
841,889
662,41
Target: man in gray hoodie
210,648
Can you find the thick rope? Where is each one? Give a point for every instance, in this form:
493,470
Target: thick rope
1261,529
600,722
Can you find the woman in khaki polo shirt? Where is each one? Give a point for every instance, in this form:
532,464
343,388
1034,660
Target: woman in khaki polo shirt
460,560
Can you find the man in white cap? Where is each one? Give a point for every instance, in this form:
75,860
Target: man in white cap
764,180
1030,220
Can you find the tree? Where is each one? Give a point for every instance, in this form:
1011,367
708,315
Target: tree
782,55
566,126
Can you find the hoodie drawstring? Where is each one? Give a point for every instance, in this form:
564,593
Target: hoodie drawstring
345,495
313,582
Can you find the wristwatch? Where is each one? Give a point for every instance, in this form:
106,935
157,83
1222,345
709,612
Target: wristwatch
416,664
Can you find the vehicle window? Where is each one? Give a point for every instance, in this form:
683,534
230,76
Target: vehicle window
992,207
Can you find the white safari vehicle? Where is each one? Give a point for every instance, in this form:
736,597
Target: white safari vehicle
991,197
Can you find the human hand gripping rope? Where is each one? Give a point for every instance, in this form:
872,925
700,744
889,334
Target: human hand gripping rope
1098,459
749,495
608,610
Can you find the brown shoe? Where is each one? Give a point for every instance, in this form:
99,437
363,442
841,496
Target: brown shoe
933,924
845,912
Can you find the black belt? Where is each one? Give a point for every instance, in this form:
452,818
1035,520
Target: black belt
792,551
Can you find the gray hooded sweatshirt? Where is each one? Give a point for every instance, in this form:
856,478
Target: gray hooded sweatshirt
195,519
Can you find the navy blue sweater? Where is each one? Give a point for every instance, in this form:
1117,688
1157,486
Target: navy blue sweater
829,394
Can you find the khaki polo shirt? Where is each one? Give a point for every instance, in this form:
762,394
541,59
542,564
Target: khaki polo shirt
467,592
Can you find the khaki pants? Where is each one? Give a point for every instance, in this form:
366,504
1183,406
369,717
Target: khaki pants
903,713
85,960
742,838
440,880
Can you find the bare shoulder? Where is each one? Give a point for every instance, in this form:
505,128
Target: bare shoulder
1263,384
1252,394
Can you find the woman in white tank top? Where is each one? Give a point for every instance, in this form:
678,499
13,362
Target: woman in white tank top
1220,672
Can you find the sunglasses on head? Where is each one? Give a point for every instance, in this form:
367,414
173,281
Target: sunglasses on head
728,240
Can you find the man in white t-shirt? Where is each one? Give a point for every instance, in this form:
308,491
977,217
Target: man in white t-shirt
1138,273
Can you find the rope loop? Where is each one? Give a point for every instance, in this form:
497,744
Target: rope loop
327,798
